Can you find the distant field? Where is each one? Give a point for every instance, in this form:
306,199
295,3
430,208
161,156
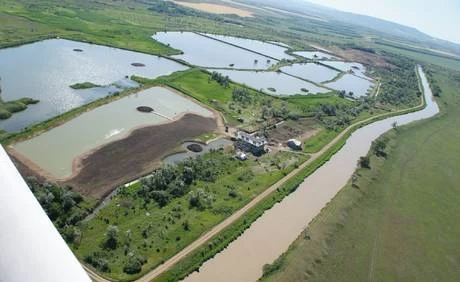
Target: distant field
423,57
400,223
215,8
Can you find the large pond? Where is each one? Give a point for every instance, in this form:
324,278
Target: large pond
55,149
311,71
316,55
279,226
282,83
261,47
202,51
359,86
45,70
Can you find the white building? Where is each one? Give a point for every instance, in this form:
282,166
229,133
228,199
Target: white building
294,144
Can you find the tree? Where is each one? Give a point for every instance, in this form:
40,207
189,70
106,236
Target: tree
111,237
379,147
134,264
364,162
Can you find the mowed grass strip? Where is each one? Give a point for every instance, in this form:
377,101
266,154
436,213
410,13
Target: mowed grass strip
400,221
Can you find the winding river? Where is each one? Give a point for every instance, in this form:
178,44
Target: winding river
272,233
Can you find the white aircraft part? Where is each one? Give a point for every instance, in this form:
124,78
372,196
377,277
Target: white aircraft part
31,249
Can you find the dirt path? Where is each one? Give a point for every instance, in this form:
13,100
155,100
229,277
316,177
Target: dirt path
235,216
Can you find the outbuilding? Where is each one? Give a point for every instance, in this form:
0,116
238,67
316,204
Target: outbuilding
294,144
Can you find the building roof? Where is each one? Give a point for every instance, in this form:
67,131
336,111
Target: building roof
251,138
31,247
295,142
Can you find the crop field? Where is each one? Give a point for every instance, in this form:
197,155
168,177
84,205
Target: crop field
216,8
396,220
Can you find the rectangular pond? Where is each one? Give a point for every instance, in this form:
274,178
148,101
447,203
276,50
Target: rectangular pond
359,86
356,68
311,71
55,150
282,83
315,55
265,48
202,51
45,70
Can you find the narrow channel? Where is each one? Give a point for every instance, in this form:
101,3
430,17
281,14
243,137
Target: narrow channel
278,227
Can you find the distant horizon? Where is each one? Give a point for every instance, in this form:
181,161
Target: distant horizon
436,19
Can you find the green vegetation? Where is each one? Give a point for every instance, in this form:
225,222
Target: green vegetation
64,207
7,109
424,57
229,98
411,197
84,85
165,212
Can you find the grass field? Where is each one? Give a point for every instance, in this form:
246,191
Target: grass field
423,57
400,221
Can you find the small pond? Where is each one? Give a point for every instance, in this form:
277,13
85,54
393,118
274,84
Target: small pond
316,55
349,82
283,84
180,157
265,48
357,68
55,149
202,51
311,71
45,70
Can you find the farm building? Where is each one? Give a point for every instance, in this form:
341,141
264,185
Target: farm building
294,144
250,143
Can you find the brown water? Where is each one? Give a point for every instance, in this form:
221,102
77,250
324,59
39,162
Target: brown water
272,233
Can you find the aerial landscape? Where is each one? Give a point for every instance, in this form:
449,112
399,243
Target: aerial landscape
225,140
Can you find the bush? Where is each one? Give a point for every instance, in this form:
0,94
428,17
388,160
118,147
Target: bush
134,264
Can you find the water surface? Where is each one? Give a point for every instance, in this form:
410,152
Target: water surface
261,47
45,70
282,83
177,158
317,55
278,227
359,86
206,52
356,68
55,149
311,71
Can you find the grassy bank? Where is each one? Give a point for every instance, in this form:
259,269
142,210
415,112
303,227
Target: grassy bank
84,85
398,222
7,109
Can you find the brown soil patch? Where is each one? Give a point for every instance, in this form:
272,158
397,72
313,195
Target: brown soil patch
301,129
215,8
136,155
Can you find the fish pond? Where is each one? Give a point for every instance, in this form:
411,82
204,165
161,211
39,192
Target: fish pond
311,71
203,51
45,71
265,48
273,83
315,55
56,149
355,68
351,83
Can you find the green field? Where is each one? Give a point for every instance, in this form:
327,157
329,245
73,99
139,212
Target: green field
155,232
399,222
424,57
